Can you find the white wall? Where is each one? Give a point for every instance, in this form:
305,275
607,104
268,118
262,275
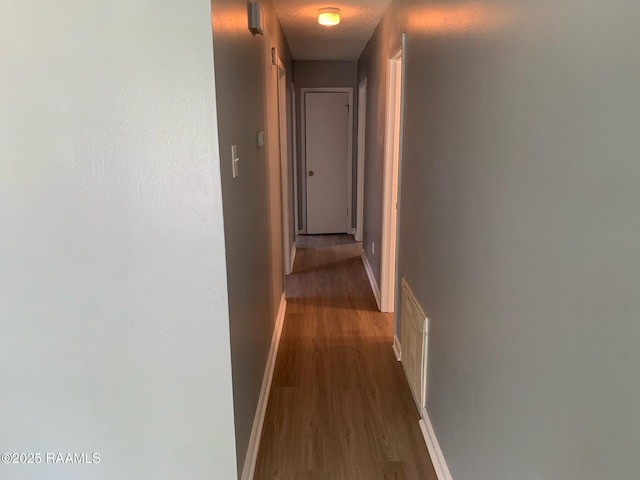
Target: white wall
247,103
520,232
113,299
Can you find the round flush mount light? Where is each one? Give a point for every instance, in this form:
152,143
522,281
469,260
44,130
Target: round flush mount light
329,16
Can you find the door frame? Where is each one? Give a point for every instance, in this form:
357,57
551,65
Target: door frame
394,115
303,135
362,132
283,147
294,141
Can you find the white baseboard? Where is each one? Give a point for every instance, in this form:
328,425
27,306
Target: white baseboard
294,250
437,458
372,278
258,421
397,348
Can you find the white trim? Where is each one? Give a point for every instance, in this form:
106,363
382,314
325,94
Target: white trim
397,348
425,358
303,91
403,45
258,421
294,250
390,197
362,128
437,457
372,279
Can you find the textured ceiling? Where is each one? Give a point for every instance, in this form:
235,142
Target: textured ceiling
310,41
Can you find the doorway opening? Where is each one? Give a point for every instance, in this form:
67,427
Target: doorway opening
391,182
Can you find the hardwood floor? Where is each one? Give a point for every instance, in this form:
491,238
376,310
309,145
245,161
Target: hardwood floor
340,407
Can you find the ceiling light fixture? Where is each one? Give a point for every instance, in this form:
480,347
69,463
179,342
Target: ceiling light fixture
329,16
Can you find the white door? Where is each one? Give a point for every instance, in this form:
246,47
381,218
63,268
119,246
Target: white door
327,158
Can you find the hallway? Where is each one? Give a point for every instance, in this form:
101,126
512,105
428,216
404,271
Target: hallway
340,407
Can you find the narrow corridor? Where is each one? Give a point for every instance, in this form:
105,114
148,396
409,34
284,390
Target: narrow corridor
340,407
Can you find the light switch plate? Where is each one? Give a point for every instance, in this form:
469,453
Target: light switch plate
234,160
260,138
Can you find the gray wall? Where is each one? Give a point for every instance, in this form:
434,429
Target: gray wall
520,232
113,302
247,103
312,74
372,65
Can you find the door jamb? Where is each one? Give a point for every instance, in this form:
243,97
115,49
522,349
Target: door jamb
303,92
392,180
362,129
283,148
294,141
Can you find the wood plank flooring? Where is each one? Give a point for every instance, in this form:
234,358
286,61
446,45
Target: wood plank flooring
340,407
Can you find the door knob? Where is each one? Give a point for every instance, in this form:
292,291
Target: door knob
311,173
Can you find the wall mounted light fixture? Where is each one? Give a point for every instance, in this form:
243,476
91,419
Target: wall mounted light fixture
329,16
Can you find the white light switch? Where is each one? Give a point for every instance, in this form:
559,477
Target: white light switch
234,160
260,139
